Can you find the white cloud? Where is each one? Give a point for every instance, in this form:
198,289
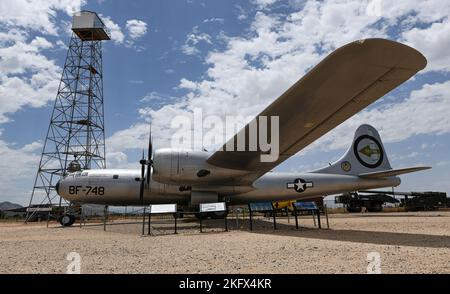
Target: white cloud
136,28
434,42
241,12
186,84
114,29
18,166
264,3
393,120
214,19
193,39
443,163
131,138
37,15
119,160
256,68
137,82
28,78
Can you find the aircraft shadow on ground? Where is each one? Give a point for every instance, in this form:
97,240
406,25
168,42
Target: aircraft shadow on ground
160,227
261,226
357,236
387,215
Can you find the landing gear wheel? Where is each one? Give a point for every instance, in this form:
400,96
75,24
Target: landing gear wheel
354,208
375,208
67,220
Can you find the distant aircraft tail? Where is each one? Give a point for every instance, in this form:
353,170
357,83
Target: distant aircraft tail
366,157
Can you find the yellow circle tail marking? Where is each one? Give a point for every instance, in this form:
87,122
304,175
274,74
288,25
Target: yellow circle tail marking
346,166
368,151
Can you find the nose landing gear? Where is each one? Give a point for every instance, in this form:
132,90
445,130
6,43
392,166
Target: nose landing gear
66,220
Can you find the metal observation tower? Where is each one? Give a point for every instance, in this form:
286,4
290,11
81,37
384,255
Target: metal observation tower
76,136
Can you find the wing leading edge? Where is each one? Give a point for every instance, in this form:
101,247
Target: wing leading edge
344,83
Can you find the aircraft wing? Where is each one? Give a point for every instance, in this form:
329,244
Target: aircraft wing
344,83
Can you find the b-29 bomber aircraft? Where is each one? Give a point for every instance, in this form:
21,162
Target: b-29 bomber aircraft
345,82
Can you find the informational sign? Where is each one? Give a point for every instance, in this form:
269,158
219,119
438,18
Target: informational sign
163,208
209,207
305,205
261,206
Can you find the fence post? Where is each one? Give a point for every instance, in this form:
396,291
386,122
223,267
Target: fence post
143,222
175,215
149,222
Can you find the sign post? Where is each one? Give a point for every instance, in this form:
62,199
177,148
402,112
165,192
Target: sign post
307,206
149,221
205,208
105,217
161,209
265,207
175,216
143,222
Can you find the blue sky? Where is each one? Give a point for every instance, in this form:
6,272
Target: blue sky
167,58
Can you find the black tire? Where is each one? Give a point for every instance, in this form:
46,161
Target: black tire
375,208
353,209
66,220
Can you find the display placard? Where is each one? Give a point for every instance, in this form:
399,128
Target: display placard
163,208
261,206
209,207
305,205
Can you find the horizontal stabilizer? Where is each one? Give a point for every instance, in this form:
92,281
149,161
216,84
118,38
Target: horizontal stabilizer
393,172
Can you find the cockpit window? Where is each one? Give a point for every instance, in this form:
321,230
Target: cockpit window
115,177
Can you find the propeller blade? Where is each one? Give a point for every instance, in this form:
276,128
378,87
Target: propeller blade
148,175
150,145
141,188
141,192
149,156
142,162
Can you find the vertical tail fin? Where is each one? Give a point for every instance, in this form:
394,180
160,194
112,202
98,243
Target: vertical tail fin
365,155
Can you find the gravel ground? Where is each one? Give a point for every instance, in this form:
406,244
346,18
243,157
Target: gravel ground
407,243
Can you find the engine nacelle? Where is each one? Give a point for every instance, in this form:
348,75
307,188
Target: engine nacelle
189,167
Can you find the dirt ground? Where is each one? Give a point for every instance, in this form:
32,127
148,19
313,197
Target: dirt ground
406,243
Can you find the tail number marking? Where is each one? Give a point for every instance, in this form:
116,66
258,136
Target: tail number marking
88,190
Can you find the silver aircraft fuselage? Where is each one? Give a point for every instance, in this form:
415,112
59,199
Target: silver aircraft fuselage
121,187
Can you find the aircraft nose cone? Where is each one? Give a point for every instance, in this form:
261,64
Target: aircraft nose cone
57,187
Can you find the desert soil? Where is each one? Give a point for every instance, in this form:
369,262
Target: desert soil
406,242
